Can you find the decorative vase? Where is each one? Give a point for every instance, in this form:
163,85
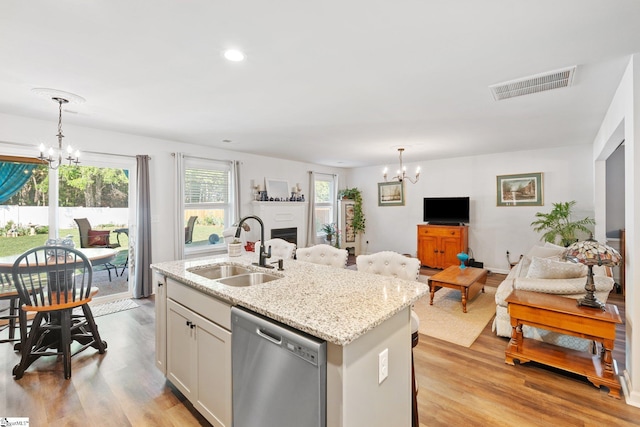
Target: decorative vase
234,249
463,258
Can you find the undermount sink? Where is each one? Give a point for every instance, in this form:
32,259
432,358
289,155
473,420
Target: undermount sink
219,271
249,279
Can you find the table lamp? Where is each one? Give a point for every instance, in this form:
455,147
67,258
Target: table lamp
590,253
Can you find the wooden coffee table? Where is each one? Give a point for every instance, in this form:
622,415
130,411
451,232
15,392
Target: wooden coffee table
469,281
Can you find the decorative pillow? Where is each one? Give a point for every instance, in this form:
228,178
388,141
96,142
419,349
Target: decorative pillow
545,268
545,252
551,245
99,237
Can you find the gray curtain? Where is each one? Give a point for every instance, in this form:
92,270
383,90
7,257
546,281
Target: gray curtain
311,214
235,173
142,286
178,247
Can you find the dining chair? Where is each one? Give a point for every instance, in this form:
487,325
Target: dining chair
280,248
52,281
393,264
16,319
324,254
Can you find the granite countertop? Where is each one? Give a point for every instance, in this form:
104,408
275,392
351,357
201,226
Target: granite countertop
334,304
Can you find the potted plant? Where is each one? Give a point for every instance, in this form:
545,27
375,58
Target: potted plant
354,194
328,229
558,226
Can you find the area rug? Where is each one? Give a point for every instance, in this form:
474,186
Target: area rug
112,307
446,321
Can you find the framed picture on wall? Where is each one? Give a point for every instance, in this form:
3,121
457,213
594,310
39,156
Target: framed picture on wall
390,194
519,190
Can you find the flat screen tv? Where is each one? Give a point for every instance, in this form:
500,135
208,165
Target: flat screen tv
446,210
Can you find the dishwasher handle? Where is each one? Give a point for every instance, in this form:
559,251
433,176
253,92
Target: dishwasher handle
270,336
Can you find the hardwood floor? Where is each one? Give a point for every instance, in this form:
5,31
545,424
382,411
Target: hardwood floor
458,386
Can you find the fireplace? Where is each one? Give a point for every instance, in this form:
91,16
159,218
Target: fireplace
286,220
289,234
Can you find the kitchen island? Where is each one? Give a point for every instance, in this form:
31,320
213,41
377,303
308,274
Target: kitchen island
358,314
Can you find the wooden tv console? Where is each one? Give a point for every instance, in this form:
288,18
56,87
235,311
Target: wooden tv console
438,245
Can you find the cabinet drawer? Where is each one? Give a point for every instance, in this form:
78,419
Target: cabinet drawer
439,231
207,306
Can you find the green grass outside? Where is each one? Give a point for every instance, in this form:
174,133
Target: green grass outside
17,245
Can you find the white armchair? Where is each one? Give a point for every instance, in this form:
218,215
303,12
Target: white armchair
323,254
280,248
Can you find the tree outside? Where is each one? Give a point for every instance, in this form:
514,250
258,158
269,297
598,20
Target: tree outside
79,186
87,186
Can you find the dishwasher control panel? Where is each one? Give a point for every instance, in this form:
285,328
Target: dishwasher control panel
303,352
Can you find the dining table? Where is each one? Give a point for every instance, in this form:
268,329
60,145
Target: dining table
97,256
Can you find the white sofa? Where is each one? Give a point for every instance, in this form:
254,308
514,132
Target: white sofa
542,270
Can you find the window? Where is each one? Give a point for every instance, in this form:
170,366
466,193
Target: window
208,203
324,201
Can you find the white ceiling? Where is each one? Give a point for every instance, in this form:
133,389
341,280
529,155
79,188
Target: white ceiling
336,82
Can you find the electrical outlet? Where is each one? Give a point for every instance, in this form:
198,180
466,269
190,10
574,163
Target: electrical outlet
383,365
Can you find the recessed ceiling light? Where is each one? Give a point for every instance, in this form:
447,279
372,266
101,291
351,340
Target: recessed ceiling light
234,55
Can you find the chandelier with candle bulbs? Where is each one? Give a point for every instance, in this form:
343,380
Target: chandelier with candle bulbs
54,156
401,174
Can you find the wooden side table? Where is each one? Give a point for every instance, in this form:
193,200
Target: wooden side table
563,315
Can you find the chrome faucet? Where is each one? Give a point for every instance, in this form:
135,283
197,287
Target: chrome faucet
262,257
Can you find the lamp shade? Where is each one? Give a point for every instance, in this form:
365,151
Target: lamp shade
590,252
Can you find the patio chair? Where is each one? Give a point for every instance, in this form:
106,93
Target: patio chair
188,230
90,238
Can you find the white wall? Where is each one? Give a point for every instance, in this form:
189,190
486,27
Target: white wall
492,230
19,130
621,122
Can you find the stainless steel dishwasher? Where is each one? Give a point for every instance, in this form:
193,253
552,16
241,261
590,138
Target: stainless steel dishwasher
279,374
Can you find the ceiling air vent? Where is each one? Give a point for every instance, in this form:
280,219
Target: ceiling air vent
533,84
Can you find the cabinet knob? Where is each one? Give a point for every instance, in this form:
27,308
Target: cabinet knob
188,322
193,325
441,252
435,251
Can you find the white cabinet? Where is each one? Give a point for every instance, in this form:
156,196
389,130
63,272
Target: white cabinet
160,285
199,352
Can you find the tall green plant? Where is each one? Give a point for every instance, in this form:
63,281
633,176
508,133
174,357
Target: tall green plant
354,194
557,224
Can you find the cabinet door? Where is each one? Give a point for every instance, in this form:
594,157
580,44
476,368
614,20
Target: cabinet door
451,248
161,321
428,251
214,373
181,370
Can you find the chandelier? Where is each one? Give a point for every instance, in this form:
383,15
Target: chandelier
401,174
54,156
